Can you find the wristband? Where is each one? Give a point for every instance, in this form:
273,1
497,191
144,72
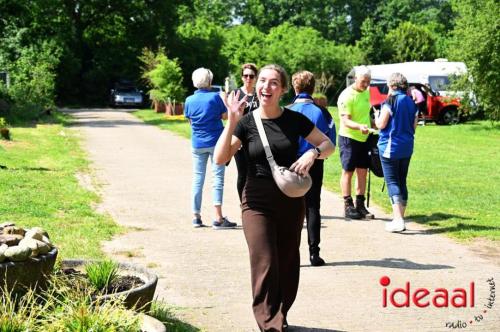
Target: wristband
318,151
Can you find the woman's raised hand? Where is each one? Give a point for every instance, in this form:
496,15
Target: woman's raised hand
234,106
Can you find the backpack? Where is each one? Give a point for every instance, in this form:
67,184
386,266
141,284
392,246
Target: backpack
375,164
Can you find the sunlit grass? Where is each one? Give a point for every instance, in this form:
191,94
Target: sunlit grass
176,123
38,187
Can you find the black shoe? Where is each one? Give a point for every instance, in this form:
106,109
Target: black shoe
364,212
360,207
285,325
316,260
352,213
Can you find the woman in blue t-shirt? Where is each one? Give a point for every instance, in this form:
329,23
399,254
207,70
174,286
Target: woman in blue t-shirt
205,111
397,122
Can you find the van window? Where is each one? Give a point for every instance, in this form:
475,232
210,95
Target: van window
439,83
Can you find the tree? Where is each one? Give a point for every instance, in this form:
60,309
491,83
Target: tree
300,48
476,41
242,44
200,45
372,43
166,79
409,42
337,20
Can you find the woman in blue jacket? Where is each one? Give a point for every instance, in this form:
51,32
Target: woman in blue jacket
397,121
303,84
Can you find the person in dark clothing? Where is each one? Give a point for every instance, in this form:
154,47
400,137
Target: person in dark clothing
247,91
272,221
303,83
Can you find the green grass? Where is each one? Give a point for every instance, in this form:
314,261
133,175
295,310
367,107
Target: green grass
166,314
176,124
452,181
38,187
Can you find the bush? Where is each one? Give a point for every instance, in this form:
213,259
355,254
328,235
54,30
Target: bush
32,69
166,79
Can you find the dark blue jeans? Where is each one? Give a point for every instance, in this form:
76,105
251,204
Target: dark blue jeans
395,173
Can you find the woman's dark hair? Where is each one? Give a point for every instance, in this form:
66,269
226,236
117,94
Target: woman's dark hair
250,66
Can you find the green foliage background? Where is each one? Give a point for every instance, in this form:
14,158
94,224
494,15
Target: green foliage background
71,52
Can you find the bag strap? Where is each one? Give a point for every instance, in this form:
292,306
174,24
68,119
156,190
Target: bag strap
263,138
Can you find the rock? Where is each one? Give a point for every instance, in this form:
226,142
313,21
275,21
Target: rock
6,224
14,230
40,230
10,239
35,233
47,241
17,253
3,247
37,247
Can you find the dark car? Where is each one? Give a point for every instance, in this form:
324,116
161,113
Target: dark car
126,94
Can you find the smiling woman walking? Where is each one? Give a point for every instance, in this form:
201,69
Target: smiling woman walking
272,221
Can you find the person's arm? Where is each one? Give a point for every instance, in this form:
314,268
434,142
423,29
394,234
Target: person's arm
382,116
346,121
228,144
322,143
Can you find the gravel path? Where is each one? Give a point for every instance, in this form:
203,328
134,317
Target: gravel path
144,177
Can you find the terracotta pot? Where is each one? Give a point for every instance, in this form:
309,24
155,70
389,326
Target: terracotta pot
179,109
5,133
159,107
31,273
137,298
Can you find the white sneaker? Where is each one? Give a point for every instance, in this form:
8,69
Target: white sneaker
397,225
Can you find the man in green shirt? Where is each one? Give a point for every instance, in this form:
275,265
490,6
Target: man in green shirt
355,121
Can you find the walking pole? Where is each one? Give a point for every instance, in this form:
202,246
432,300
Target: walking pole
369,185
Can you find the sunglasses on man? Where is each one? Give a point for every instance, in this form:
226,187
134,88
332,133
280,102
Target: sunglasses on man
251,76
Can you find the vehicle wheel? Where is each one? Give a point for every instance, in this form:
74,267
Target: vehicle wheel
449,116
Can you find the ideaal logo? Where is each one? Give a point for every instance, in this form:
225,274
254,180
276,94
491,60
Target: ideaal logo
439,298
423,297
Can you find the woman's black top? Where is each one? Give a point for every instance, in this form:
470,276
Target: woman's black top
252,101
283,135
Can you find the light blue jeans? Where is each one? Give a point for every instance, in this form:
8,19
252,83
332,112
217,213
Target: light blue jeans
200,158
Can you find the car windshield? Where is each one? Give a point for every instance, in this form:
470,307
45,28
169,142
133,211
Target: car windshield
439,83
126,89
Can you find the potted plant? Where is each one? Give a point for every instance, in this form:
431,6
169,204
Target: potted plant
166,80
27,257
4,130
111,280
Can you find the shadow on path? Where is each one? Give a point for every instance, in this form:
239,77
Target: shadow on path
437,216
393,263
104,124
293,328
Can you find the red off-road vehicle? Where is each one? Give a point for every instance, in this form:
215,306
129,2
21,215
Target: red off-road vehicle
431,78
